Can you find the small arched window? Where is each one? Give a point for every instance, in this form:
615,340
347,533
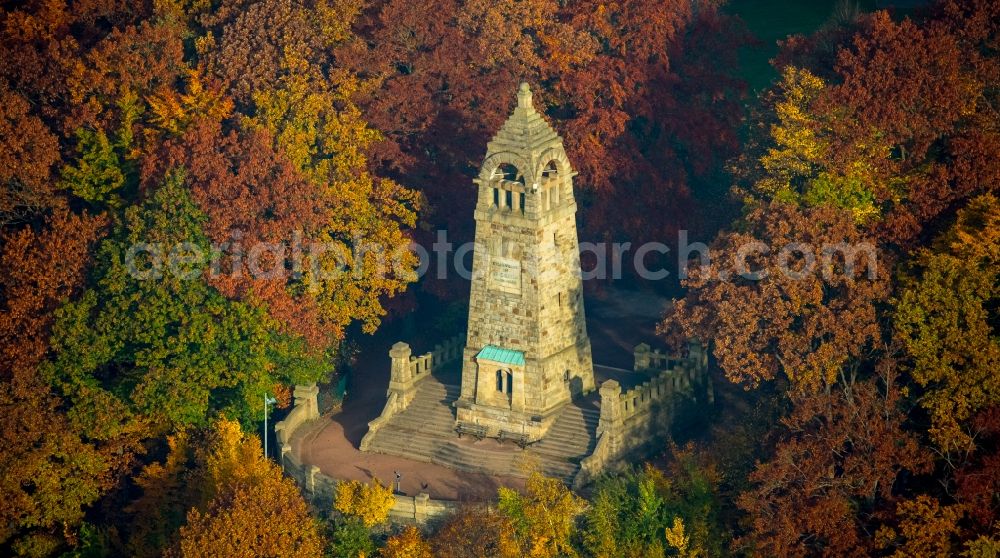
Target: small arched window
505,381
508,172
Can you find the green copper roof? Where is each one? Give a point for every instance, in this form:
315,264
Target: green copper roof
501,355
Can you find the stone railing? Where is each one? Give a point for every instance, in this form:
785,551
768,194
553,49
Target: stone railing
643,414
321,489
420,509
305,409
647,358
405,376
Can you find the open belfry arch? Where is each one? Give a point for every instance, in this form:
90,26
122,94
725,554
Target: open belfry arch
527,352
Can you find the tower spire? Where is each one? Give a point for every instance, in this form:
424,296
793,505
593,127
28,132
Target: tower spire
524,96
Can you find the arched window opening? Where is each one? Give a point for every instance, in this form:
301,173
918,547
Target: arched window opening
505,382
508,172
496,197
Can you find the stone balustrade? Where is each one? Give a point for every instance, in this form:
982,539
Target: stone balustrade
320,488
305,409
642,414
405,375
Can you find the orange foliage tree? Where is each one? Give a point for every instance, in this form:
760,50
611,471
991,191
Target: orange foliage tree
642,115
51,470
225,498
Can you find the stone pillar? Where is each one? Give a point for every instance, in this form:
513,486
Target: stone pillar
307,397
400,355
611,423
420,512
641,353
697,354
401,374
311,473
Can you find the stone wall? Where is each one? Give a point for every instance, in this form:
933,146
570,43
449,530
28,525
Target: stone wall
405,375
320,489
305,409
642,415
420,509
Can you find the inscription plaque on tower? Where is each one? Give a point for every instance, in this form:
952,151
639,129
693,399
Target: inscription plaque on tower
505,275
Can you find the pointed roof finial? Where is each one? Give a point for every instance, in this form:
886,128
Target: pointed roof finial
524,96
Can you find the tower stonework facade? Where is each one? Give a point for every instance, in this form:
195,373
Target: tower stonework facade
527,352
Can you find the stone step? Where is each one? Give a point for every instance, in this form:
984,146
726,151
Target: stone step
424,447
424,431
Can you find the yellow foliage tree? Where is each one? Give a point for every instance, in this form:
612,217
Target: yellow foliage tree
926,529
680,541
232,500
798,167
173,111
407,544
368,502
544,517
945,317
269,518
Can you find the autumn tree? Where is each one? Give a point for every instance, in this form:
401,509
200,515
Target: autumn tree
369,503
51,471
27,159
274,57
836,465
544,517
225,497
926,529
870,152
794,291
409,543
152,339
898,130
476,532
266,518
945,318
977,481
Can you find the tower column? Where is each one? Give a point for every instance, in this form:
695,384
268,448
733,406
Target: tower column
516,322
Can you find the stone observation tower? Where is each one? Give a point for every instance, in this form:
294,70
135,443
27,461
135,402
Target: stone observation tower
523,373
527,353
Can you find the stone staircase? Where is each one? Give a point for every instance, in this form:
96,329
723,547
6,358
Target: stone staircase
424,431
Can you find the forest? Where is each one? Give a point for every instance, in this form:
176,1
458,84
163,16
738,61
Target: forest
861,411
